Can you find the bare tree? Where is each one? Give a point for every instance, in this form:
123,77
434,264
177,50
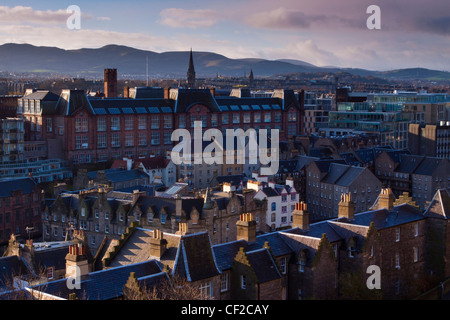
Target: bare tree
175,288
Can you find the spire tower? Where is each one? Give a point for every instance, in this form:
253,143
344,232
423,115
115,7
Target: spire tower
191,72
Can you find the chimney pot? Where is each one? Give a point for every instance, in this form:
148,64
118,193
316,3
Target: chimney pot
300,217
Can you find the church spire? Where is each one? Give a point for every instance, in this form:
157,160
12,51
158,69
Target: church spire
191,72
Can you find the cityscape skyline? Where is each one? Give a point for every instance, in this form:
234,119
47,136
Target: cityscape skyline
324,33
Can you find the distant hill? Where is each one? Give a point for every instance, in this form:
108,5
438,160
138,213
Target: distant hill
131,61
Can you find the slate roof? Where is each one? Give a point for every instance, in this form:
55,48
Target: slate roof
7,187
137,249
131,106
185,98
42,95
51,257
409,163
316,230
350,176
324,165
383,218
270,192
304,161
195,259
235,180
341,229
439,206
120,175
351,158
248,103
154,163
396,155
263,264
226,252
9,267
146,92
102,285
428,166
335,172
71,101
287,166
157,203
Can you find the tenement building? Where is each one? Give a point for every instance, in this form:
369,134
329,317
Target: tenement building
329,259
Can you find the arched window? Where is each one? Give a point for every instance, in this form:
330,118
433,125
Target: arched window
163,218
274,206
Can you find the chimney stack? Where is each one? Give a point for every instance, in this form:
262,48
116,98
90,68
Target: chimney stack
77,265
126,92
110,83
386,199
182,229
246,228
346,207
300,216
167,93
158,245
290,182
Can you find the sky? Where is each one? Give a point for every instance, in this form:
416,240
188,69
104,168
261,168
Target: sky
413,33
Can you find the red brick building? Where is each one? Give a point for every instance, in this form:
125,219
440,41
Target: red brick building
84,129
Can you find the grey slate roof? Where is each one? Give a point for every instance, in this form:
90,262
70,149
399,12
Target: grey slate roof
71,101
102,285
195,259
263,264
157,203
7,187
42,95
131,106
409,163
226,252
428,165
9,267
383,218
335,172
439,206
349,176
186,98
44,259
120,175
